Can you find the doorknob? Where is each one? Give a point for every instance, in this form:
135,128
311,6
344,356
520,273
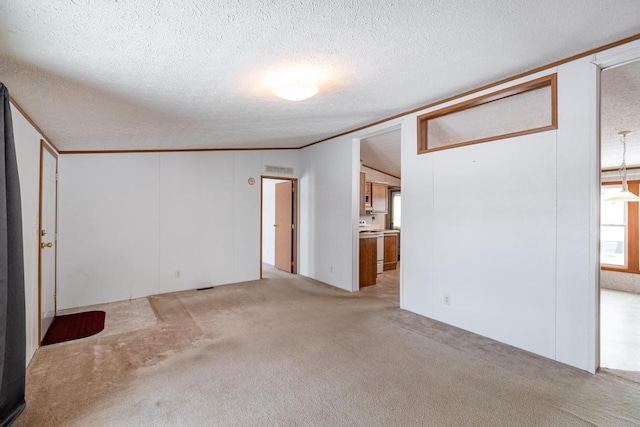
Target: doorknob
46,245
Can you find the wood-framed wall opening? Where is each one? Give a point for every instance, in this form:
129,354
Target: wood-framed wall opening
294,219
510,93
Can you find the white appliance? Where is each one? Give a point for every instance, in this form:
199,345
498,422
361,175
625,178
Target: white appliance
380,252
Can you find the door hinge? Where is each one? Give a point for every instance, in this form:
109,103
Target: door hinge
55,237
293,189
292,264
293,226
56,176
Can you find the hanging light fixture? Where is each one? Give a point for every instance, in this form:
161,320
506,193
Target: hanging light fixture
624,195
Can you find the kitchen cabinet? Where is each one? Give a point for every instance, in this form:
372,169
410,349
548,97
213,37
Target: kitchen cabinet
390,251
379,198
368,261
363,185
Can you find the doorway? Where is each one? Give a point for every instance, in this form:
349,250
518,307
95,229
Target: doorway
278,223
380,214
47,238
619,291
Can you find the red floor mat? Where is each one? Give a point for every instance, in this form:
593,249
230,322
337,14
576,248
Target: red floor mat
74,326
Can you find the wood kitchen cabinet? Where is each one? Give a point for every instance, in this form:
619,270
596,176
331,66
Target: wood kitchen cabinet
390,252
379,198
368,261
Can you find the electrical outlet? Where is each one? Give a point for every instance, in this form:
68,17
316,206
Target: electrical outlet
447,299
178,274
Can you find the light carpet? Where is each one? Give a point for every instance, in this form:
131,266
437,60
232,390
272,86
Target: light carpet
288,350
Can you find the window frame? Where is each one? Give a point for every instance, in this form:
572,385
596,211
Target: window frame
550,80
632,249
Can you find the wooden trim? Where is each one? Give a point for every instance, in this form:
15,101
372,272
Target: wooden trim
539,83
634,168
44,144
176,150
37,128
618,269
294,218
633,255
487,86
381,171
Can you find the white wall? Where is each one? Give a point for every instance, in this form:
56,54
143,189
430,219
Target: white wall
504,229
268,219
326,211
129,222
108,228
507,229
479,226
27,140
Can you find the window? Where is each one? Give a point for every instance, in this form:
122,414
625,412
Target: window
396,212
519,110
613,228
619,235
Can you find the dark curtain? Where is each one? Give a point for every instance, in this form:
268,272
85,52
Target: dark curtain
12,317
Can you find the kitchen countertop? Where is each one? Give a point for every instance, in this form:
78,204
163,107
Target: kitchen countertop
369,235
364,234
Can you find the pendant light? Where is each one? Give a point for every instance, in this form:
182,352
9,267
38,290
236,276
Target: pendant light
624,195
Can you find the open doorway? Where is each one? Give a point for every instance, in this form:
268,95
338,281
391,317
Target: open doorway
278,224
379,220
619,219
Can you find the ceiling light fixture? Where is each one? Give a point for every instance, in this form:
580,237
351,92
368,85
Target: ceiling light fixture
624,195
295,83
297,91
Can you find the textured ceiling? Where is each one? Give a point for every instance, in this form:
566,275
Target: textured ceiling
382,152
134,74
620,110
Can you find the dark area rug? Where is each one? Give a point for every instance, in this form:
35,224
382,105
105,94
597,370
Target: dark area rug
74,326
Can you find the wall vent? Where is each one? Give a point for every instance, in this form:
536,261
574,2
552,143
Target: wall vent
279,170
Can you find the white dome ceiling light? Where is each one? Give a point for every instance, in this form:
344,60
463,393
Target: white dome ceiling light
295,83
296,91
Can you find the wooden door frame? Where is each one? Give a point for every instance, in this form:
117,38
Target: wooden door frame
44,146
294,218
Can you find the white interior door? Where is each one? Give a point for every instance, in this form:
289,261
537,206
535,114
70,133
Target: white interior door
48,229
